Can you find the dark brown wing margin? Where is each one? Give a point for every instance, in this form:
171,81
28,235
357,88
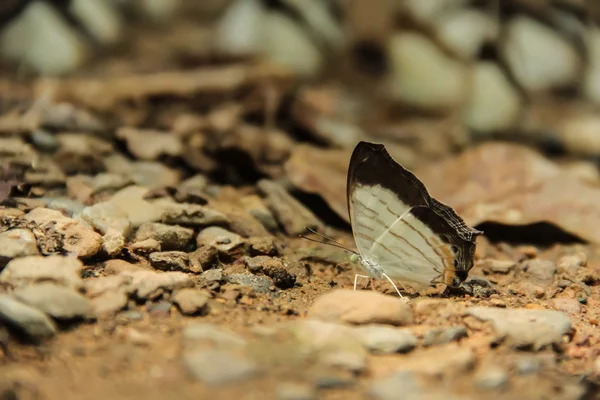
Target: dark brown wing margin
371,164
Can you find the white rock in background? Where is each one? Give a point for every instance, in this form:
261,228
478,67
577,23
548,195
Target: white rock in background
580,134
538,56
158,10
428,10
239,29
494,104
100,18
40,39
591,78
422,75
465,31
286,43
320,20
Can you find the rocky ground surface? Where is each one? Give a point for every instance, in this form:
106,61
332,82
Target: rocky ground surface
149,246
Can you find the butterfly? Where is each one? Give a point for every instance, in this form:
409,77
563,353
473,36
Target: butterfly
401,232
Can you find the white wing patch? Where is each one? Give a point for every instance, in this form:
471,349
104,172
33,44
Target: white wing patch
389,236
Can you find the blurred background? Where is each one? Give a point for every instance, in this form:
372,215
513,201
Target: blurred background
247,81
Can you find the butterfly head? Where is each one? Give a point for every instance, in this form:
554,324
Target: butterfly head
453,277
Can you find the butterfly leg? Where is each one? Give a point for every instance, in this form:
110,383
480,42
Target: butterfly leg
393,284
356,279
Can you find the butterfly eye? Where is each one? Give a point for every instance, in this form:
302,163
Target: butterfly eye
454,248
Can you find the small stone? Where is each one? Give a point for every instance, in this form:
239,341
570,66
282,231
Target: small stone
145,247
361,307
260,284
138,338
525,327
540,272
570,306
490,378
17,243
29,320
383,339
404,382
528,365
149,144
107,216
257,208
206,333
102,284
263,246
56,233
190,214
273,268
450,360
572,262
113,267
191,301
137,209
212,276
294,391
203,259
219,367
113,242
170,237
170,260
445,335
62,270
289,212
220,238
151,284
57,301
498,266
160,309
109,303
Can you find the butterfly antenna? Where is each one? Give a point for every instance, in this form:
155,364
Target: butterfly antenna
327,240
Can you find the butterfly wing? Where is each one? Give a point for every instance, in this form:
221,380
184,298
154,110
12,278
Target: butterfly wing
398,225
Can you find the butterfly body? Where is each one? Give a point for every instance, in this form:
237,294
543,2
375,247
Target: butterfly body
400,230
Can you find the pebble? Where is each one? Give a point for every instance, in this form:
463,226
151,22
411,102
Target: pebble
361,307
137,209
55,232
219,238
263,246
212,276
540,272
384,339
147,144
219,367
449,360
294,391
145,247
260,284
107,216
528,365
34,323
498,266
273,268
190,214
570,306
150,284
57,301
444,335
170,260
170,237
204,332
572,263
203,258
113,243
390,388
109,303
191,301
332,344
65,271
523,328
160,309
490,378
17,243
